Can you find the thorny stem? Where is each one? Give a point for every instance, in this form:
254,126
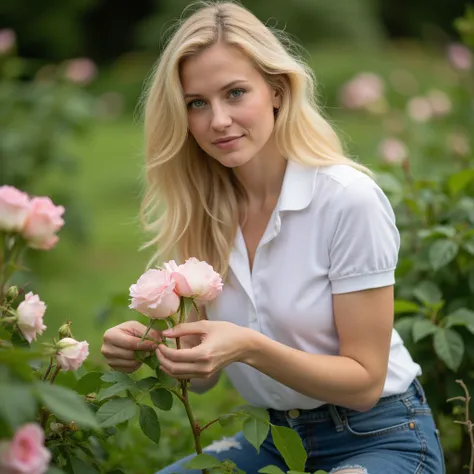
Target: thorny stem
467,422
202,428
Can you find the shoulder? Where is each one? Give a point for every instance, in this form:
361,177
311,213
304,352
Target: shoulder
347,188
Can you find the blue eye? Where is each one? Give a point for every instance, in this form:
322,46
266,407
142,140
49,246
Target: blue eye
196,104
236,93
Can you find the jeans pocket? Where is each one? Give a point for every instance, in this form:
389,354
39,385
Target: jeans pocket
380,421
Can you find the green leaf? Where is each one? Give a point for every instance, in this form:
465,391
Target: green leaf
389,183
402,306
440,230
66,404
442,252
203,461
227,420
271,470
422,328
89,383
116,411
78,466
112,391
458,181
404,327
428,293
468,246
17,405
320,471
471,280
255,431
116,376
449,347
162,398
54,470
149,423
188,306
147,383
254,412
288,442
461,317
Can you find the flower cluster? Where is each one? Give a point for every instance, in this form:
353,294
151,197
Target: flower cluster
157,292
36,219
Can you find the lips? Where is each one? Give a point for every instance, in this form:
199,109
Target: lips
226,139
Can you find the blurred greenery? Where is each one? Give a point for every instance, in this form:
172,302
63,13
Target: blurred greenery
80,275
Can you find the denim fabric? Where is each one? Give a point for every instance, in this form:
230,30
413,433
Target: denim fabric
397,436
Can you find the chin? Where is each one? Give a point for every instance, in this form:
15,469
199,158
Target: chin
232,160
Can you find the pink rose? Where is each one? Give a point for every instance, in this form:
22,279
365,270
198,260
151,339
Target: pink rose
460,57
393,151
42,223
71,353
153,295
25,453
363,90
7,40
14,208
30,314
81,70
195,279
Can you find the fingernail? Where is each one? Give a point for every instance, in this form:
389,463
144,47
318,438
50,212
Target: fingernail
168,332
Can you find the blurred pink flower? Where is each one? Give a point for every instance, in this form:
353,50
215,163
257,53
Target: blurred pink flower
419,109
404,82
81,71
459,144
440,102
25,453
14,208
30,313
42,223
7,40
361,91
460,56
393,151
71,353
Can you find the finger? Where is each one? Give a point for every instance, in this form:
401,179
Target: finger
117,353
186,329
182,371
180,355
127,341
134,328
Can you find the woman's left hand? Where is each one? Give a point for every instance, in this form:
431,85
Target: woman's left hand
221,344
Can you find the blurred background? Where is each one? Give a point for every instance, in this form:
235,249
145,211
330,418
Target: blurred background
393,78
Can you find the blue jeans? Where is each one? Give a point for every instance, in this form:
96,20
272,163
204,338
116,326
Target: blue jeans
397,436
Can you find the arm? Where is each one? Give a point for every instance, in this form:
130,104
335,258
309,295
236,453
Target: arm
353,379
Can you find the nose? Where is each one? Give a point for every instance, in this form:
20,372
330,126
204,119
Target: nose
220,118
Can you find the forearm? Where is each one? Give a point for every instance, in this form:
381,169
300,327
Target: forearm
337,380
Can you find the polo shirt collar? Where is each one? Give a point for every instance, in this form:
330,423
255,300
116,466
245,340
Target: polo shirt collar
298,187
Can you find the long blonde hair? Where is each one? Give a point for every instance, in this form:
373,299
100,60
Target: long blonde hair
192,201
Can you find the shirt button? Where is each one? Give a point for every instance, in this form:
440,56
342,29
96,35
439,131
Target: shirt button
294,413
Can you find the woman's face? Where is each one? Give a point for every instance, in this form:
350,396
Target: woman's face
230,105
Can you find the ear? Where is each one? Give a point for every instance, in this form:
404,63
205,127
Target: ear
276,99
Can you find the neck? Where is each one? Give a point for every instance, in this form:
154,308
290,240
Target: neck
262,179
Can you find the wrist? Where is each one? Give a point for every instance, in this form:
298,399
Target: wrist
251,345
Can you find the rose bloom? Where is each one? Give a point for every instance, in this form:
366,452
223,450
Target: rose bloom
71,353
42,223
81,70
364,89
460,56
30,314
153,295
419,109
195,279
14,208
25,453
393,151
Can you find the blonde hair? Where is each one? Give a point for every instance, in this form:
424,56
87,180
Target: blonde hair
192,202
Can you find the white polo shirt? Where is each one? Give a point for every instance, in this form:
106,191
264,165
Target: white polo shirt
332,231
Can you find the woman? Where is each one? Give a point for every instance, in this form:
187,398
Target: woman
254,181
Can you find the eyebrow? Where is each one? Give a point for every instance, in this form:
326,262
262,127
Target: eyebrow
227,86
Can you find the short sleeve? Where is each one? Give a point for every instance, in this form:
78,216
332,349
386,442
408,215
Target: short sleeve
364,240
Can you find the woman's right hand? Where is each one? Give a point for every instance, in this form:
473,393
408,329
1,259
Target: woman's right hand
121,342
